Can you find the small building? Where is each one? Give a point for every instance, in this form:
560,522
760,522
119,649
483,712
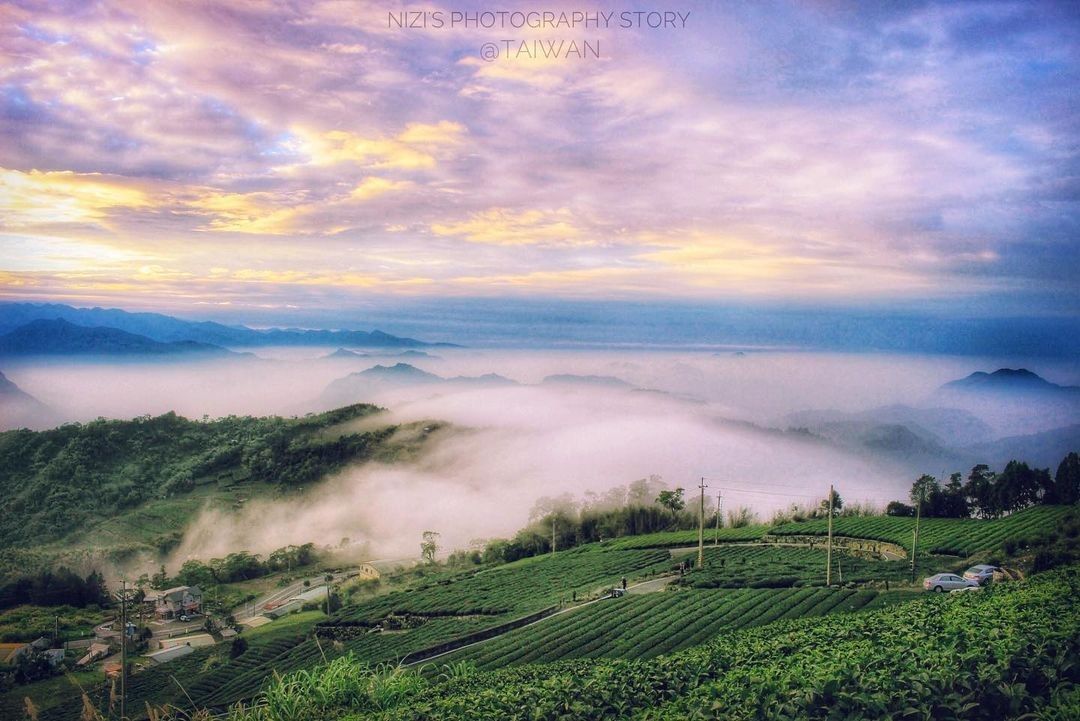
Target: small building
96,651
195,641
368,572
174,602
316,594
11,652
169,654
290,606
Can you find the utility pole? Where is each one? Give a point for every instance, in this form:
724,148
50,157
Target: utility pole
719,510
701,528
915,535
828,557
553,534
123,649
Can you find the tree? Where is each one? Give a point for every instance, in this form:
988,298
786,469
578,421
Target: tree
741,517
926,492
239,645
672,500
979,492
159,580
956,505
1067,479
837,504
896,508
195,573
1019,486
429,546
642,490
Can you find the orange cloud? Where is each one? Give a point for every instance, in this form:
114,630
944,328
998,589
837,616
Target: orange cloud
40,198
416,147
499,226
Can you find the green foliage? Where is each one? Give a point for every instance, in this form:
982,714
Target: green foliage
429,546
961,537
26,623
999,654
992,495
55,588
1067,479
526,585
771,566
238,646
672,500
648,625
672,539
55,482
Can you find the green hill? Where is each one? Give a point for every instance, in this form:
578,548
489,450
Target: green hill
135,484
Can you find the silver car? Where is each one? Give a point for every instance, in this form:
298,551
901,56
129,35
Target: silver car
946,582
981,573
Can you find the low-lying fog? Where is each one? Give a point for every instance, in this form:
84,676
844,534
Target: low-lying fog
680,415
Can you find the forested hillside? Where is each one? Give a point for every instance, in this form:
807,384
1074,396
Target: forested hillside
55,483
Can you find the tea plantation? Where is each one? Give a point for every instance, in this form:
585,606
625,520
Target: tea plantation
753,634
649,625
1009,652
959,537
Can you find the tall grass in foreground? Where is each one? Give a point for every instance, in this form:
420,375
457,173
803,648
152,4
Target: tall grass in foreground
312,695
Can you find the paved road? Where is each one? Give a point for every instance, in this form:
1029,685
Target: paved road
656,584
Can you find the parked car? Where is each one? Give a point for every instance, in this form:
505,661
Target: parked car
983,573
185,618
946,582
966,589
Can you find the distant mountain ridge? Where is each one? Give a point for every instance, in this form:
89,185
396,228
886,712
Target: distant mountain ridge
346,354
167,329
1008,380
572,379
19,409
10,391
59,337
365,383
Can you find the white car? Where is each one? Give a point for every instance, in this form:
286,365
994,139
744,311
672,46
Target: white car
947,582
981,574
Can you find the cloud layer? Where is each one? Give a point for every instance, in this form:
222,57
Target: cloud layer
275,154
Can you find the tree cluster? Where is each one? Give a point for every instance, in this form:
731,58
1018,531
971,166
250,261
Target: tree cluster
644,506
242,566
61,587
986,494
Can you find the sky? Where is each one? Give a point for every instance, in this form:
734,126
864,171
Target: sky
277,159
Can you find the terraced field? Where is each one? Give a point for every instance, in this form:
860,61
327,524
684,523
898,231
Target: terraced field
451,605
1008,653
961,537
518,587
649,625
770,566
675,539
